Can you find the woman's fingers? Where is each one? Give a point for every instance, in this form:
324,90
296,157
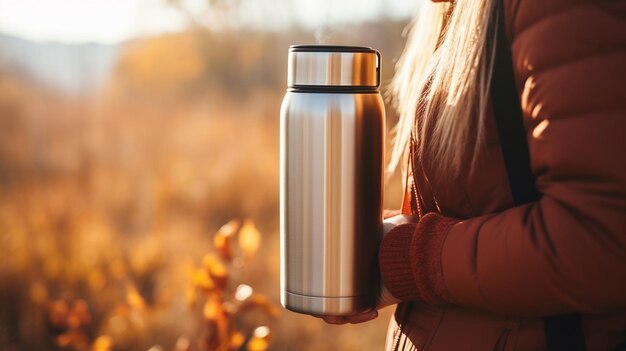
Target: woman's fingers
390,213
386,298
363,317
355,319
392,222
334,320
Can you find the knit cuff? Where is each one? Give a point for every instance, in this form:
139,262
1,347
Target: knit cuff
394,259
410,260
426,249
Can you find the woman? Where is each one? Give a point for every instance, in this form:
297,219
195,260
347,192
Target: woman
469,269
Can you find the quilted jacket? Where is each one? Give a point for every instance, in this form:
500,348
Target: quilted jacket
478,273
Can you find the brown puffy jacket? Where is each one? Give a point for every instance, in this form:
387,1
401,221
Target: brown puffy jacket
478,273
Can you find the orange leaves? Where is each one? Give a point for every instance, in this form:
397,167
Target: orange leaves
134,299
200,278
72,317
73,339
260,339
212,310
102,343
217,271
249,238
57,313
244,294
236,339
78,315
223,237
211,289
260,302
72,321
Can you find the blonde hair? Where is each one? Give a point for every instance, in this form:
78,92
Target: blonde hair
442,79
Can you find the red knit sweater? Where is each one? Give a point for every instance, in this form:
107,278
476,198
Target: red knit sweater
420,244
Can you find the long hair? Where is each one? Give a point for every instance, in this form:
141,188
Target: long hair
442,80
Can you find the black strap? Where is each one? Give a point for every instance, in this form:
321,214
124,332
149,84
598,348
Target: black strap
563,332
509,121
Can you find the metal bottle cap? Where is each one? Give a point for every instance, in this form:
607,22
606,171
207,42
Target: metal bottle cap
315,66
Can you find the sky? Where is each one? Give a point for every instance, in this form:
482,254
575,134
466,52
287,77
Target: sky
110,21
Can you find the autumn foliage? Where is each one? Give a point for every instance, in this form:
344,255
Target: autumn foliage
116,209
221,307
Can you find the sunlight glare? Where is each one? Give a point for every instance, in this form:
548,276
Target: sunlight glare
84,20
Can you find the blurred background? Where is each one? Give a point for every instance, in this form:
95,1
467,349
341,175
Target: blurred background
139,170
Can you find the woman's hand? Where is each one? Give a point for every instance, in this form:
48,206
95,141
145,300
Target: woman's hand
385,298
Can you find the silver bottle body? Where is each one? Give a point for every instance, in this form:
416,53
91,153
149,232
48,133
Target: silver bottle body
331,177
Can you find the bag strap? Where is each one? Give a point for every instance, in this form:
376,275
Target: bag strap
563,332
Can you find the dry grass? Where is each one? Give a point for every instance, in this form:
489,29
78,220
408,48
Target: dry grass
112,213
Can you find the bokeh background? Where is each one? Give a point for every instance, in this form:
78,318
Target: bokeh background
139,170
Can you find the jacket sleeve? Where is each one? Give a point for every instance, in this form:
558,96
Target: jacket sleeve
566,252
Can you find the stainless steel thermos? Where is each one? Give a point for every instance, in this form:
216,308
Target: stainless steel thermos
331,176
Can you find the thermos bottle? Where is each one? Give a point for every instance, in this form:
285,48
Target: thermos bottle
331,174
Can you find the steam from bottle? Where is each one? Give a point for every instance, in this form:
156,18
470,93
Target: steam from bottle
323,35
